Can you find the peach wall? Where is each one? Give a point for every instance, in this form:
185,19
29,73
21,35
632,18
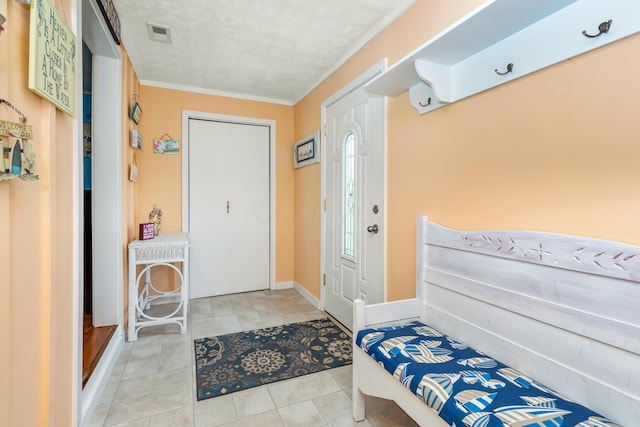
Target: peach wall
307,220
37,232
552,151
408,32
160,180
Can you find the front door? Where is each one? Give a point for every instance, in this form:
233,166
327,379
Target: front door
229,207
354,218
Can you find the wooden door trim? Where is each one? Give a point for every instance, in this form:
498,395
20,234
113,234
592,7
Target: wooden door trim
271,124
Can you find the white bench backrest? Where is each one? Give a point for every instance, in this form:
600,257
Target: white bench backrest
561,309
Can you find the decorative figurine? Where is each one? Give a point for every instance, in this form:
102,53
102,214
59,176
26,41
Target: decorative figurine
155,216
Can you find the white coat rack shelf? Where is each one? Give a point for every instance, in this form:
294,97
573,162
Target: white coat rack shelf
501,41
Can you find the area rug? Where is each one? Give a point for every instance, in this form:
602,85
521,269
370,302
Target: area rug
230,363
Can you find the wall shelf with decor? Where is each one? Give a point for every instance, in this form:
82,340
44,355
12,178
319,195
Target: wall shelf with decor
501,41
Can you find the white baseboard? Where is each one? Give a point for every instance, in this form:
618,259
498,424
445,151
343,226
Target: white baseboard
283,285
92,391
308,295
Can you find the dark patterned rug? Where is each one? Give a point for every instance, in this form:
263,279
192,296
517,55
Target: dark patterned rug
234,362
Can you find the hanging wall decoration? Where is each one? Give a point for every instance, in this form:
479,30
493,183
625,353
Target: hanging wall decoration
52,56
136,112
166,145
136,139
18,158
133,169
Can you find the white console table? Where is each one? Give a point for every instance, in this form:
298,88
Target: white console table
162,250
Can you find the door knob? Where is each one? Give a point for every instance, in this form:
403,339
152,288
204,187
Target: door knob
372,228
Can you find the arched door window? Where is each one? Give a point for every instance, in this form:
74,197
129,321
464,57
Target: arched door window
348,195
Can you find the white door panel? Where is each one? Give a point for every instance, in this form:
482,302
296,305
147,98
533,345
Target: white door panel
228,207
354,257
249,208
208,221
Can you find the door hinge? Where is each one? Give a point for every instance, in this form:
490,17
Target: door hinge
324,280
324,205
324,129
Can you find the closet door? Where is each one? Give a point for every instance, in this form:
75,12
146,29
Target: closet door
228,207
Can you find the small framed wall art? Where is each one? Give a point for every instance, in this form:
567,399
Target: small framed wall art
166,145
136,112
133,169
136,139
305,150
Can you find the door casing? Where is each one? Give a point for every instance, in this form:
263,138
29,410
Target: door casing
108,273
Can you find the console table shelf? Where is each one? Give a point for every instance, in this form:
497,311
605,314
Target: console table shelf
163,250
501,41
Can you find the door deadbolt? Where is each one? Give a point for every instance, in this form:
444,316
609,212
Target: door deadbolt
375,209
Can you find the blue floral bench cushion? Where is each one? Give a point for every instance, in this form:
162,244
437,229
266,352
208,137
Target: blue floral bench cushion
465,387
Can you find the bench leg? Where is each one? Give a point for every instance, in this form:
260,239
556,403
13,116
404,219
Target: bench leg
358,404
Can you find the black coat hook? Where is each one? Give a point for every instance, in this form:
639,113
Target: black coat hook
425,105
602,28
509,70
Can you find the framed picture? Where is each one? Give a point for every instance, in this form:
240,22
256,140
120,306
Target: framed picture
111,17
166,146
136,139
136,112
305,151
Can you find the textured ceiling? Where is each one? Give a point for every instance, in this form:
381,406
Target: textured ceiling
275,50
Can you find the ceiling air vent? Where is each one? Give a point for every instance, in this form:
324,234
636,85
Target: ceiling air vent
159,33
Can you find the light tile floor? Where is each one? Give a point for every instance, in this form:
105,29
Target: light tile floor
153,381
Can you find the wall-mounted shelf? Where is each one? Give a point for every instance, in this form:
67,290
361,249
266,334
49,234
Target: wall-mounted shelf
501,41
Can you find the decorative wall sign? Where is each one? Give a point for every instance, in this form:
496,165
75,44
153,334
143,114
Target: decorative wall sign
166,146
19,130
146,231
52,56
18,160
305,151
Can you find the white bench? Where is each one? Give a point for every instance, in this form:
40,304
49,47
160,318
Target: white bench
563,310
